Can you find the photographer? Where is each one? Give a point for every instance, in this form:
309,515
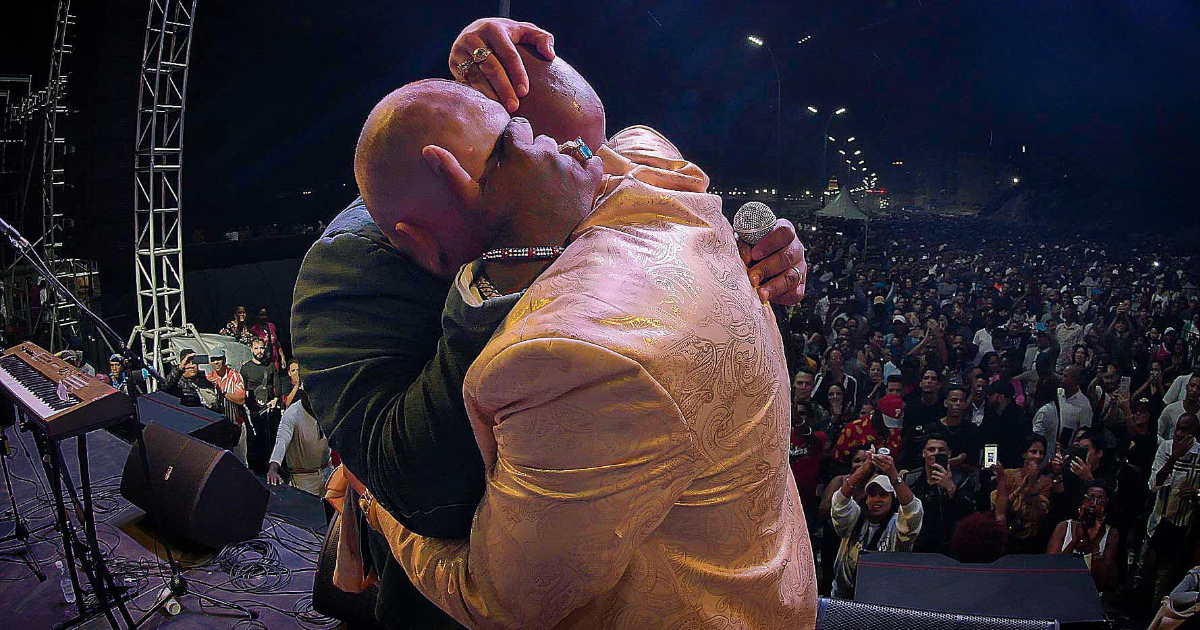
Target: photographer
891,520
187,383
1089,535
944,491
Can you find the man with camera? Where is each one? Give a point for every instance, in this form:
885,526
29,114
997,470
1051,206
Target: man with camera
944,490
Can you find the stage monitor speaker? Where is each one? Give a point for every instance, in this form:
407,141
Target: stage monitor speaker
356,609
199,422
195,489
840,614
1046,586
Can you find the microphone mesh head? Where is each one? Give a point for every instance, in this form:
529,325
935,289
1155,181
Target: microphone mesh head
753,221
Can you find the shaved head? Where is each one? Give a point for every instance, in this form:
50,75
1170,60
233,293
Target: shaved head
399,184
560,103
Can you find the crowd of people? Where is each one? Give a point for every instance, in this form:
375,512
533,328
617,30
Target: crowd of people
976,391
272,427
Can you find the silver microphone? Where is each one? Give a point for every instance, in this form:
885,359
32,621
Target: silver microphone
753,221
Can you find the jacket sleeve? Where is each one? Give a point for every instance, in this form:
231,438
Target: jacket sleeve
383,352
908,524
843,512
591,454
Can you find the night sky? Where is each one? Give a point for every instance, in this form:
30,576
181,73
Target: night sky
1107,90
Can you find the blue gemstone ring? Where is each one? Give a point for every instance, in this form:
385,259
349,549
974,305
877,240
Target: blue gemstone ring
579,148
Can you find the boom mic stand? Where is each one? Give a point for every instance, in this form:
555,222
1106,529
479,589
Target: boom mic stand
177,585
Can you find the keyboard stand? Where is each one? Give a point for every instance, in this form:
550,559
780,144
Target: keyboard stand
107,595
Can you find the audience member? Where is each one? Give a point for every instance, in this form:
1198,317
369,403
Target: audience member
944,491
1089,535
890,520
264,329
882,428
1021,500
237,327
231,391
261,380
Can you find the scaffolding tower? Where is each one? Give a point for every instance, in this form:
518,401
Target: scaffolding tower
61,316
158,181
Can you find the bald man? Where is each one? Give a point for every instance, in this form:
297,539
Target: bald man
632,411
385,343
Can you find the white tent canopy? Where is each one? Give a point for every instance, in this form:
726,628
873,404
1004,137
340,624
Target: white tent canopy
843,207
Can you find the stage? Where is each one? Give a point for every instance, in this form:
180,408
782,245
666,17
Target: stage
271,574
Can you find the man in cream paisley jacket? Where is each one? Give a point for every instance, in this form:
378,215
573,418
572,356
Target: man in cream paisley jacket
633,415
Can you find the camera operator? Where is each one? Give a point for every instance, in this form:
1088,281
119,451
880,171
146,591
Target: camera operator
891,520
944,491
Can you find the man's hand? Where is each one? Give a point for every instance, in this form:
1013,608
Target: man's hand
271,403
273,477
501,76
777,266
1081,469
943,478
1181,447
1056,464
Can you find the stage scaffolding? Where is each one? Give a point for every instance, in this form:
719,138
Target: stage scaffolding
158,179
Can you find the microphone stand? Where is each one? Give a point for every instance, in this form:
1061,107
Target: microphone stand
177,585
21,530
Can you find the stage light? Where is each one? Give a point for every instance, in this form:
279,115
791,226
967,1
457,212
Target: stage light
755,40
858,152
1016,180
812,109
840,111
850,139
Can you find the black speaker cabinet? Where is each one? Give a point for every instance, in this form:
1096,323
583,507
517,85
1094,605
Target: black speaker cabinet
195,489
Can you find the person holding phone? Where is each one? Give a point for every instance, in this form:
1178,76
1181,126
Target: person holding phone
1089,535
1021,500
945,491
890,520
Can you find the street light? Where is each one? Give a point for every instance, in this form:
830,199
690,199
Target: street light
825,139
760,43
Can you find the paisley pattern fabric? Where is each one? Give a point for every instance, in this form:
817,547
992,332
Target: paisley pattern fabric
633,414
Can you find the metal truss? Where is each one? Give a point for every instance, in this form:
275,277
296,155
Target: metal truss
158,179
62,316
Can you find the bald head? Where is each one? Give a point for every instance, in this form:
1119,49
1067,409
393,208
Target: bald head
560,103
403,187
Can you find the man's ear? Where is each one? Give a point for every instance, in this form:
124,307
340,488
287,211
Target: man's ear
447,169
419,243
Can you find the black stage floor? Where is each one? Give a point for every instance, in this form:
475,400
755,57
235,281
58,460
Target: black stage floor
272,574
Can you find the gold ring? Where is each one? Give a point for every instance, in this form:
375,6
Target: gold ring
464,69
480,54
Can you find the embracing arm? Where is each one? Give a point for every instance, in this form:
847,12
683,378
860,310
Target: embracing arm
583,466
383,360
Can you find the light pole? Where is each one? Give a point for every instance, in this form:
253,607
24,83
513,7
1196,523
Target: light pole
825,145
759,42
